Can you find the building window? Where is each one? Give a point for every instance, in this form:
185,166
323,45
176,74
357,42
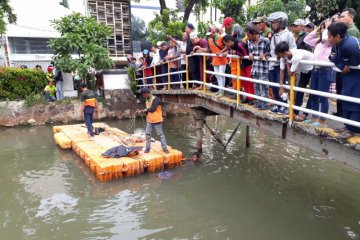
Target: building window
29,45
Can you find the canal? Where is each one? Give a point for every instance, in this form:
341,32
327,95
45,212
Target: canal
273,190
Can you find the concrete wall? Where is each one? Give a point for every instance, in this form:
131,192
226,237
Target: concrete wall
120,104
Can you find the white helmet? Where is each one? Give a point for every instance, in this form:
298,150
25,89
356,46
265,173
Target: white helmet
281,17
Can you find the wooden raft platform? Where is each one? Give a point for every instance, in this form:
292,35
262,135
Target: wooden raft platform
89,149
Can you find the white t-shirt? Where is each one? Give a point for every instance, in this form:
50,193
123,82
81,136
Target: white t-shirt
182,46
297,55
156,58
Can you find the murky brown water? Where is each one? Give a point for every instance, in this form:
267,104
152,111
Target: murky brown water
273,190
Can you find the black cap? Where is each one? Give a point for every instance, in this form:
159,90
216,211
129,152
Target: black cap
83,85
145,90
191,26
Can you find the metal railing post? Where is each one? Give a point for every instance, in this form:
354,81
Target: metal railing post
292,97
238,81
204,73
154,77
168,75
187,73
143,72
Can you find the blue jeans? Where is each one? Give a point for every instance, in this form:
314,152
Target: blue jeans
149,81
164,69
59,91
48,97
320,81
159,131
88,117
274,76
299,97
355,116
174,78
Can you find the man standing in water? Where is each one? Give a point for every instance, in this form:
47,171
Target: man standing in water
154,120
89,106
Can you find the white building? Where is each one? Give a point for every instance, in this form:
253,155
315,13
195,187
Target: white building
27,40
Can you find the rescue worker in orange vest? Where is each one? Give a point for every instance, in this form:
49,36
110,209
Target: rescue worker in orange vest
89,107
154,119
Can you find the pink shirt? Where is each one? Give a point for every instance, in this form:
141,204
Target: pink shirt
322,49
173,53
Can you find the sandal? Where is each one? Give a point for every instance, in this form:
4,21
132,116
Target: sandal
299,119
340,130
318,124
308,121
346,134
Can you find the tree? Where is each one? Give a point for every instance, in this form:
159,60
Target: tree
138,28
84,36
167,23
294,9
197,5
322,9
231,8
6,12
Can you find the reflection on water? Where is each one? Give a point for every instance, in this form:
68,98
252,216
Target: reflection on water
272,190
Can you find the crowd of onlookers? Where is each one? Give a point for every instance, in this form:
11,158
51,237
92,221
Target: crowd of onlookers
335,39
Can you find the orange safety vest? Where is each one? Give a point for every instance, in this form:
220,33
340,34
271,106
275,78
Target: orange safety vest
91,102
153,117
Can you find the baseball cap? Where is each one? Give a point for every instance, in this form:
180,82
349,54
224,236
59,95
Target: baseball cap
191,26
227,21
83,85
298,22
210,31
145,51
193,35
310,24
158,43
260,20
145,90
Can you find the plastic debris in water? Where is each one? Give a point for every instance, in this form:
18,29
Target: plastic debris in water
166,175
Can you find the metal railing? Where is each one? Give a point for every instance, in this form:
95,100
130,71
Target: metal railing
291,87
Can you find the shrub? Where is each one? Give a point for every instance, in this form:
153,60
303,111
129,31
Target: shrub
34,99
131,78
17,84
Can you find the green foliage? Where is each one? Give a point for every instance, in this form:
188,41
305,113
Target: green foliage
6,12
166,24
66,101
34,99
16,83
321,9
294,8
138,28
84,36
131,77
203,27
231,8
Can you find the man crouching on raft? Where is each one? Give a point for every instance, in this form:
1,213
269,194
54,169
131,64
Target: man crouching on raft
154,119
89,107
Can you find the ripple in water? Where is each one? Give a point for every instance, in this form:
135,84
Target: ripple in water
62,203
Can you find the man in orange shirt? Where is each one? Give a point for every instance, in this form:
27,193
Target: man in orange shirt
219,63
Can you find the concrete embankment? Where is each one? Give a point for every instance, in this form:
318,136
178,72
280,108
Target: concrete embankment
119,104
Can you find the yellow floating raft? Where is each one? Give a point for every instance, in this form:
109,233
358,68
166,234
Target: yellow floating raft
89,149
